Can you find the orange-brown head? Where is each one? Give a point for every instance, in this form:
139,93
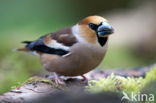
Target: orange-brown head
93,28
92,19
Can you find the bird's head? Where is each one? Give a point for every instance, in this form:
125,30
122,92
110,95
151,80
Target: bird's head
95,27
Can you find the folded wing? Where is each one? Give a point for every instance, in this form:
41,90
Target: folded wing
57,43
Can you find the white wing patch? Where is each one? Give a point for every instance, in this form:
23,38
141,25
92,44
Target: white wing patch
76,33
56,45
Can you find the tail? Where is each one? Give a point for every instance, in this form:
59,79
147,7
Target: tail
25,49
26,42
22,49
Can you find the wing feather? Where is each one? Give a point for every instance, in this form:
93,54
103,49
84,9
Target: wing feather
57,43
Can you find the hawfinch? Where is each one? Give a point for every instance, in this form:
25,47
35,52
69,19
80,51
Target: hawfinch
75,50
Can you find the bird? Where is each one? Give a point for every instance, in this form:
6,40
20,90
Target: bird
74,50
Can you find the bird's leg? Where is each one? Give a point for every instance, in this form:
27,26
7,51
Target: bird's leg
58,80
84,78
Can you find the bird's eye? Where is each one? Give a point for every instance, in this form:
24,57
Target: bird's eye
93,26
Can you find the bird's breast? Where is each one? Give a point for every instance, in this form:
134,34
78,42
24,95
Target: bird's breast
83,58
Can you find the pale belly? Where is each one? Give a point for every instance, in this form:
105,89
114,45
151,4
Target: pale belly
83,59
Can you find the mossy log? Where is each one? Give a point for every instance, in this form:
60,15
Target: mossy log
36,88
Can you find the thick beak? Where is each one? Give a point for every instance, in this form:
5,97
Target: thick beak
104,29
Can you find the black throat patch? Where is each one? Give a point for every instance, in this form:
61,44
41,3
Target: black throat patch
102,40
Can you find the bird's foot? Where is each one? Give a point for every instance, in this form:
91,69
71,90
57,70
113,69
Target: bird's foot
58,81
56,78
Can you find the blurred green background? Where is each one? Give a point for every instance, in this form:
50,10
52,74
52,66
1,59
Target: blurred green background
28,19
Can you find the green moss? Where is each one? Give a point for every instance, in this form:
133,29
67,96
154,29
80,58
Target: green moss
116,83
151,75
37,79
119,84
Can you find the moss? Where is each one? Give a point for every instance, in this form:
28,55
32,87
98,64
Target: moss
151,75
119,84
116,83
36,79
